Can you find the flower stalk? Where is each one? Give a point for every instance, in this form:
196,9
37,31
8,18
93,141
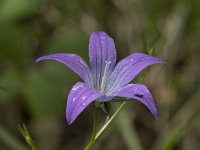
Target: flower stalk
97,135
105,126
92,140
27,137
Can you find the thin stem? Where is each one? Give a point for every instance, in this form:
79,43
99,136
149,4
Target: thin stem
109,121
92,140
96,136
94,124
24,131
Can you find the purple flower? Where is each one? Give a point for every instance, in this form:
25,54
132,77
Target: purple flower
105,79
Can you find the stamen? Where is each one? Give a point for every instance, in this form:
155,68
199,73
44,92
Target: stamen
105,75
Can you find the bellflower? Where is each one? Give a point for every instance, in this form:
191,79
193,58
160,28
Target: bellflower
105,79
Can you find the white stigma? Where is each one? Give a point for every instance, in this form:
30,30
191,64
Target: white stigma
105,75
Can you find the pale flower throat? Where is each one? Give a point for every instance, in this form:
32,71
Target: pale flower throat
102,78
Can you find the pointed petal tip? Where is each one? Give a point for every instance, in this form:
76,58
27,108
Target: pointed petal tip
161,61
164,63
69,122
38,59
93,34
155,113
44,57
69,119
99,32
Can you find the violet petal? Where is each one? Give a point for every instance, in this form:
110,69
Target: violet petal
138,92
101,51
128,68
79,98
74,62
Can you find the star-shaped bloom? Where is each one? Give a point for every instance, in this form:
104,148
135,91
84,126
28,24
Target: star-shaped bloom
104,79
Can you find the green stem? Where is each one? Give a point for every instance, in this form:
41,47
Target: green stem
96,136
109,121
92,140
24,131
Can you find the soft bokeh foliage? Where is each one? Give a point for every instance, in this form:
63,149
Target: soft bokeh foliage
35,94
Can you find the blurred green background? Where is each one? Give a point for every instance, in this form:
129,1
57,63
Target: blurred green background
35,94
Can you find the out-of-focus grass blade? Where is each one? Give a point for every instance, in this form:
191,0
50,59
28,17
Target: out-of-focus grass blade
176,135
171,140
10,141
127,130
170,137
11,10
